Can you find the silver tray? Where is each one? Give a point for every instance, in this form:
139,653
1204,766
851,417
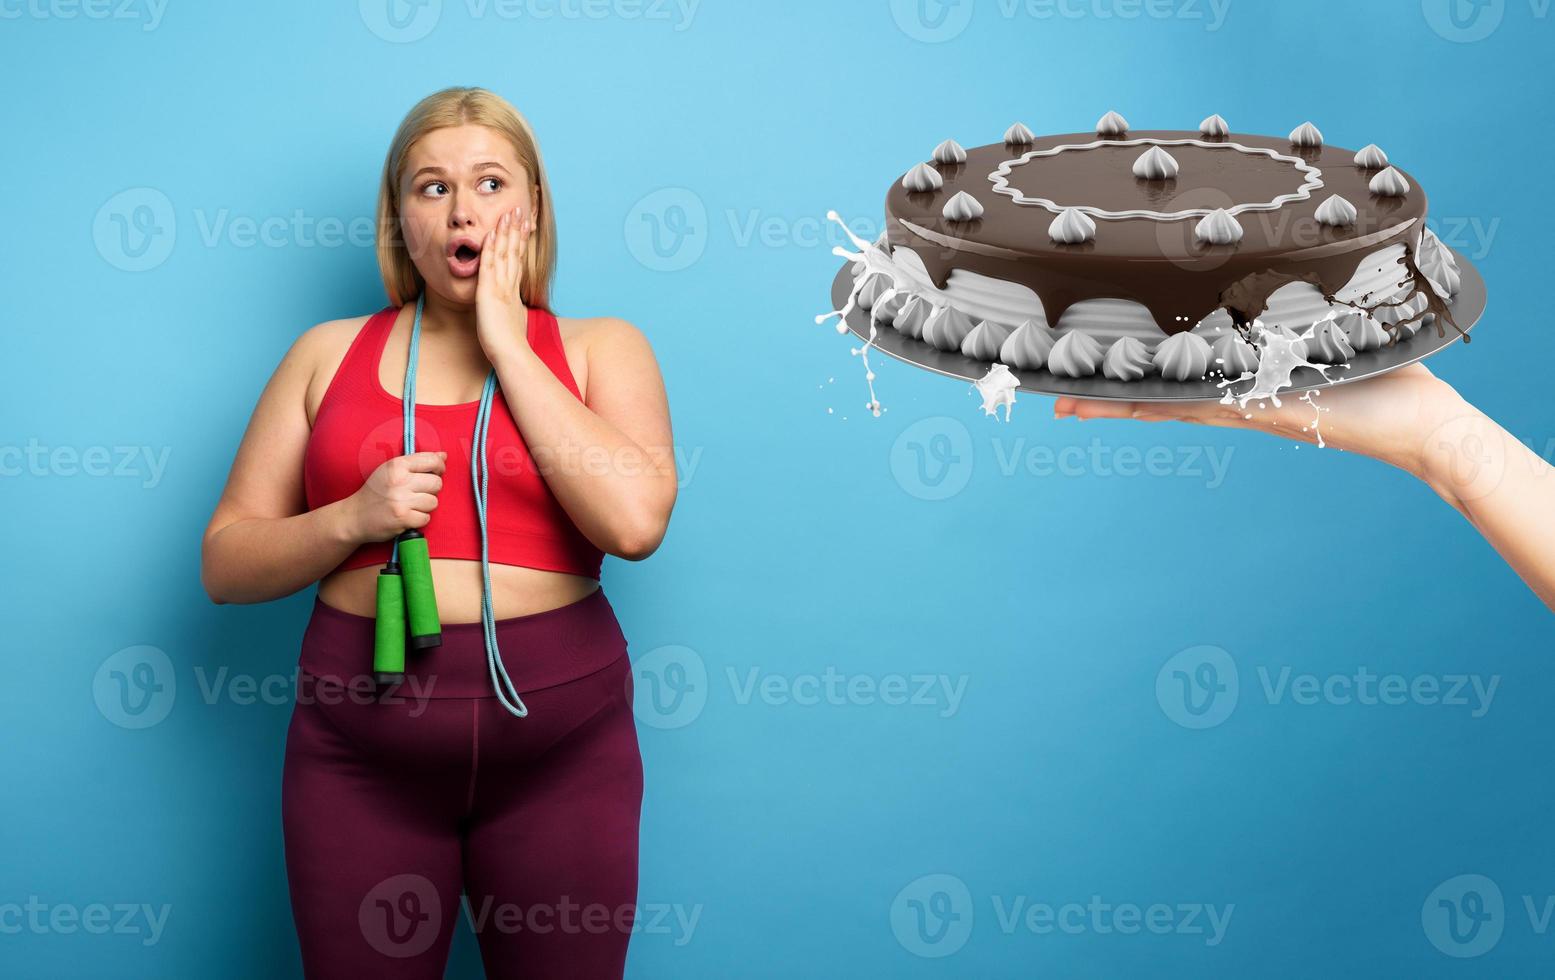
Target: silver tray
1467,307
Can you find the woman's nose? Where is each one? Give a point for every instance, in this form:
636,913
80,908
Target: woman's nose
460,215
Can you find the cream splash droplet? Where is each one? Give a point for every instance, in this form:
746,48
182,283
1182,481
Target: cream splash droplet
997,387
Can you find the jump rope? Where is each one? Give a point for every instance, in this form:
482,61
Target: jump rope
405,596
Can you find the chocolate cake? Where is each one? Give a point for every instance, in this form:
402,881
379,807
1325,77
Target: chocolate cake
1129,253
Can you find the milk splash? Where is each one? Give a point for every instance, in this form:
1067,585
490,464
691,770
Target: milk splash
1280,354
997,387
874,259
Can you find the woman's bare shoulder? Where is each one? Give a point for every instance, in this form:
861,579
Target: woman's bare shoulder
599,331
320,350
592,341
325,336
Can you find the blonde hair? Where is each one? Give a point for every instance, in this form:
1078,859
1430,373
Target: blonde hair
454,107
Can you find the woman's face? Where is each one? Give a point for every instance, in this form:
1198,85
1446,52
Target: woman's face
459,180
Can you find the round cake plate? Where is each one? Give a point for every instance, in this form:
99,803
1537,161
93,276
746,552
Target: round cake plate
1466,307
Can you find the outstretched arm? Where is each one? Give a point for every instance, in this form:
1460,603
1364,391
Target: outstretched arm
1413,420
1502,487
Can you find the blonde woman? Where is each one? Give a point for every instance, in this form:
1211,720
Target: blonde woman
504,764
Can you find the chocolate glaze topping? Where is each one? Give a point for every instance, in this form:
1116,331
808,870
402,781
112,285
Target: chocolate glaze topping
1157,262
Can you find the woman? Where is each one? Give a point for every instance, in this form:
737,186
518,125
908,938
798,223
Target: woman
523,790
1413,420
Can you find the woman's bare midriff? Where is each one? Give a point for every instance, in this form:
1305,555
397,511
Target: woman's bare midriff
515,590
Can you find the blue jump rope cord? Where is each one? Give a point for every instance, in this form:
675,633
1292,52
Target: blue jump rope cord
478,476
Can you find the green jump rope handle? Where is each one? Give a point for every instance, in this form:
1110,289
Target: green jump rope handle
420,600
389,634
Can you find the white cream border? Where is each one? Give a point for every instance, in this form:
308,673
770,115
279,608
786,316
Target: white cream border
1001,185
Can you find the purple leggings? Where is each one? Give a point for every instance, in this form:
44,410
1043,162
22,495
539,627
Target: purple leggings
396,800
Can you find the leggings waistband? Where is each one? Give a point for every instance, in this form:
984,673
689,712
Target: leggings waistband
539,650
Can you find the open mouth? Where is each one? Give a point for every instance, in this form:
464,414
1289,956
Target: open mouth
464,261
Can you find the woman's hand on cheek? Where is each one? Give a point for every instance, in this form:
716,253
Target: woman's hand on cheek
501,318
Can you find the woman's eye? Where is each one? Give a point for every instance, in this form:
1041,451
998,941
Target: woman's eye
437,185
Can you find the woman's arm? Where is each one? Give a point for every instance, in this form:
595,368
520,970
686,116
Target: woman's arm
608,460
262,542
1413,420
1501,486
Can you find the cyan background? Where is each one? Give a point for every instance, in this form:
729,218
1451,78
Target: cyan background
805,837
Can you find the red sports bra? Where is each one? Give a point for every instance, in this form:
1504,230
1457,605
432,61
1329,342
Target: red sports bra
360,424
